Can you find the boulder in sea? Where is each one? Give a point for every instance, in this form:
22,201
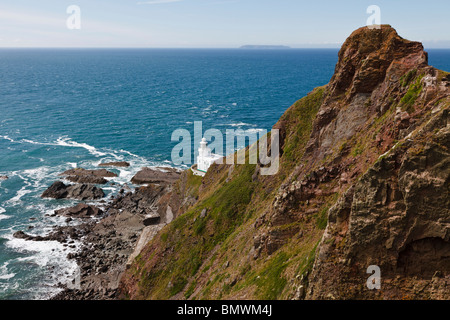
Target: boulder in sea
22,235
80,175
121,164
58,190
25,236
3,178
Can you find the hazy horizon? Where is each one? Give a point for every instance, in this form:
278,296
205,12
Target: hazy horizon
187,48
212,24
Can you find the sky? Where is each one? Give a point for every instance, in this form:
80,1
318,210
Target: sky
213,23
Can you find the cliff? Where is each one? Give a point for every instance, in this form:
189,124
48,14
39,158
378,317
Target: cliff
363,181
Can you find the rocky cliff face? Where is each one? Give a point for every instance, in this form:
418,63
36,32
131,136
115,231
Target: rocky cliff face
396,216
363,181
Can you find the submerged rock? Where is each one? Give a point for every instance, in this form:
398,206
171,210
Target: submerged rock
21,235
121,164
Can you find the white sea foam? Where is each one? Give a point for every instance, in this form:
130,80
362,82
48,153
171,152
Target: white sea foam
7,138
109,189
131,154
247,131
7,276
34,142
126,175
51,254
73,164
255,130
46,254
45,225
17,198
4,272
3,216
67,142
239,124
37,175
32,179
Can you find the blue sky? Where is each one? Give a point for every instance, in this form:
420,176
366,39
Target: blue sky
214,23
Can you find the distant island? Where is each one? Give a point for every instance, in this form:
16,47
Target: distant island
264,47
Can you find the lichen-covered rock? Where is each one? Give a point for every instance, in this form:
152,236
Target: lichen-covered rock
368,54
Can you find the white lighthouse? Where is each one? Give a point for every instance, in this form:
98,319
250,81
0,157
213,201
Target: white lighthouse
205,158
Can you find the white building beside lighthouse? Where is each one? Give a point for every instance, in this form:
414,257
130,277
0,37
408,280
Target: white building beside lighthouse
205,158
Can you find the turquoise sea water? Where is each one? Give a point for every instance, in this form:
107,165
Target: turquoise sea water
76,108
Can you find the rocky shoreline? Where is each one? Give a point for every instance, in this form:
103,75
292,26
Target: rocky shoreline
109,237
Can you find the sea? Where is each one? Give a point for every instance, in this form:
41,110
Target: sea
68,108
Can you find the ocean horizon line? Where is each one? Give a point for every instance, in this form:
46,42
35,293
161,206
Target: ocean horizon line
188,48
171,48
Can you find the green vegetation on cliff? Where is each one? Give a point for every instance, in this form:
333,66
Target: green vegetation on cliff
300,118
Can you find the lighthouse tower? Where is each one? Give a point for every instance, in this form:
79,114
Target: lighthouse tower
205,158
204,155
